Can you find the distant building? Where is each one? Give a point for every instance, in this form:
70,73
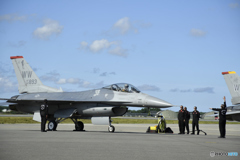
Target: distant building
168,114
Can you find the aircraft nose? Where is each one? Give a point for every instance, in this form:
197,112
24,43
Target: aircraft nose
155,102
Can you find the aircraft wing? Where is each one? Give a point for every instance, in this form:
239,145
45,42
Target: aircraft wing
58,101
6,104
212,115
233,112
228,113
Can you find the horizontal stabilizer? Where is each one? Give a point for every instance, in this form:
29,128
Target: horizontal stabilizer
7,103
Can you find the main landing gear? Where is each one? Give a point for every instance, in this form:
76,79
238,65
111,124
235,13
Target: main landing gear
79,126
52,124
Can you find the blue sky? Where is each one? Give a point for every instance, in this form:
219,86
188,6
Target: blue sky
172,50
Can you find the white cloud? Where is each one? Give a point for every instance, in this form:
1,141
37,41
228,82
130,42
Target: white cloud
49,28
54,77
205,89
195,90
61,81
74,80
84,45
118,51
123,25
99,45
69,80
113,47
104,74
13,17
87,84
197,32
7,78
146,87
51,76
6,85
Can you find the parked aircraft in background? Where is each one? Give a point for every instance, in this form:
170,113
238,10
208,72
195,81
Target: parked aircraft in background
233,83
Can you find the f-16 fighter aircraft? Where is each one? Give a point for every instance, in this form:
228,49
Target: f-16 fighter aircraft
233,83
98,104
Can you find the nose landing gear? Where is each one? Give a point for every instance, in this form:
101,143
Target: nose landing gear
111,128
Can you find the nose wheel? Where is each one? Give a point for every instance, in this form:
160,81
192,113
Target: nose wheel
111,128
79,126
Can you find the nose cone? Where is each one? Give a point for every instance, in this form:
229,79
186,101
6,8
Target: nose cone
155,102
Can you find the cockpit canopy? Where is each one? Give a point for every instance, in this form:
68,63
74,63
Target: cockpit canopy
123,87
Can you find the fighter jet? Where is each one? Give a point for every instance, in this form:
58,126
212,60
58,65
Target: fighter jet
233,83
98,104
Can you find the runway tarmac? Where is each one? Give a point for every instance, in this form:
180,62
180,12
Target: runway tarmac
129,141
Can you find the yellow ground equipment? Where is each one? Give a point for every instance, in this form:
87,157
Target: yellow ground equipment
161,127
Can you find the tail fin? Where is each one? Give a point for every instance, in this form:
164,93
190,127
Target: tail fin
233,83
28,81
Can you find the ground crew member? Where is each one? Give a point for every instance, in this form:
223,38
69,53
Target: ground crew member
44,115
161,127
187,117
196,116
222,118
181,115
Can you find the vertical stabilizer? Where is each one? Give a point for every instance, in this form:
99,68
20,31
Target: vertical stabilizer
233,83
28,81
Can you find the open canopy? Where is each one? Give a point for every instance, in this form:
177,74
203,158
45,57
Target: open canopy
123,87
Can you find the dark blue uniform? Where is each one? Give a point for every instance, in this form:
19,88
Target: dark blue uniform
196,116
187,117
181,116
43,113
222,119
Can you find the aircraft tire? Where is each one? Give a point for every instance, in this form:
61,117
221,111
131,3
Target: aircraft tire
111,128
52,125
80,126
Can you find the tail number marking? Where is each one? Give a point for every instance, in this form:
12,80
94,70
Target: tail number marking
31,81
236,87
